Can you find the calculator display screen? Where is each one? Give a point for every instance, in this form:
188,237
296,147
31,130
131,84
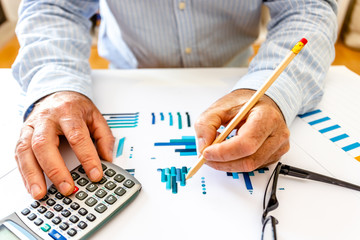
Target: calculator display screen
5,233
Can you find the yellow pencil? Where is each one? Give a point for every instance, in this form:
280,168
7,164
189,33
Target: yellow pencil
253,100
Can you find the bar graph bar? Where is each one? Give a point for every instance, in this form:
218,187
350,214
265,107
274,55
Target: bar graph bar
310,113
122,120
153,118
131,171
172,177
171,121
179,120
187,144
340,139
120,147
319,121
246,177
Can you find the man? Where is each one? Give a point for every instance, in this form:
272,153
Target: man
52,68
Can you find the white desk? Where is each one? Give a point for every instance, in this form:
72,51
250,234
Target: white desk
307,210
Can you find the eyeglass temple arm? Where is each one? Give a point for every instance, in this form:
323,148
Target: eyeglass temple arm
301,173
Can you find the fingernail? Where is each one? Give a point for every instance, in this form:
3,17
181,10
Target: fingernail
35,190
111,152
64,187
95,174
200,144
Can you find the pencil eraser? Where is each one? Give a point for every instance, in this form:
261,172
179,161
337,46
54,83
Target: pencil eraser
304,41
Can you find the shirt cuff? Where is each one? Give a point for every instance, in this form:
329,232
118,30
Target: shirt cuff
284,92
53,79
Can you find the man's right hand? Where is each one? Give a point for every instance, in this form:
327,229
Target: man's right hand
63,113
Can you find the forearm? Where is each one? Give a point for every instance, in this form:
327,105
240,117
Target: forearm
55,46
300,87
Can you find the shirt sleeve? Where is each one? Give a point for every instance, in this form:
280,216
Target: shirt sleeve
300,87
55,43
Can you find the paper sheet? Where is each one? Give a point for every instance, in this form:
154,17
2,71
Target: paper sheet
214,204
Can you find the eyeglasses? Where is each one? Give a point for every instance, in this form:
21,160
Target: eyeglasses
270,201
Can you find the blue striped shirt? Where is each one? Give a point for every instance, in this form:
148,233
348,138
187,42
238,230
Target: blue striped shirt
55,43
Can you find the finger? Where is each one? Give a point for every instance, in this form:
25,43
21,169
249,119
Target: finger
45,142
78,136
29,168
250,136
206,127
103,136
270,152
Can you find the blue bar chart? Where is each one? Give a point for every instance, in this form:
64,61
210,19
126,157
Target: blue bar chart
246,177
176,119
122,120
333,131
173,177
185,146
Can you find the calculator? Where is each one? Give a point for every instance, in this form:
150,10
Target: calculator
76,216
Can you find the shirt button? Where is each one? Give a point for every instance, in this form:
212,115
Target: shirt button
182,5
188,50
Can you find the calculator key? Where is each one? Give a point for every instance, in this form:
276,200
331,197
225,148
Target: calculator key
64,226
50,202
91,217
38,222
110,185
52,190
75,190
44,198
81,169
56,235
83,211
32,216
129,183
59,196
100,193
35,204
90,201
110,172
103,180
104,167
91,187
119,178
26,211
81,195
67,201
120,191
75,205
100,208
56,220
46,227
110,199
82,181
66,213
82,225
72,232
75,175
42,209
49,214
74,219
58,207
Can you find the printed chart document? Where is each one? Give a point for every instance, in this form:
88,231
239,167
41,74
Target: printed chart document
152,113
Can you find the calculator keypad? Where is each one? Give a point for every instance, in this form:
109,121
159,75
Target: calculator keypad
88,206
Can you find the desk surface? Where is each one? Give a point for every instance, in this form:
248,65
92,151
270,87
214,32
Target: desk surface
230,208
